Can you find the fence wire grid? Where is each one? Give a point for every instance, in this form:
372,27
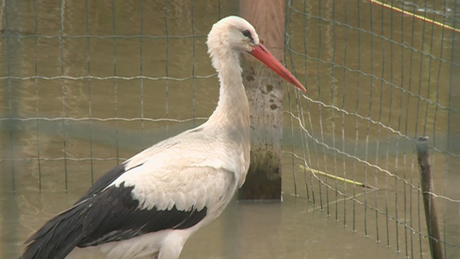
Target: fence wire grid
378,75
88,84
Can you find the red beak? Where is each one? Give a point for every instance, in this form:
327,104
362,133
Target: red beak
262,54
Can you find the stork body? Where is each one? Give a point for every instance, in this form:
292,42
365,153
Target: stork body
148,206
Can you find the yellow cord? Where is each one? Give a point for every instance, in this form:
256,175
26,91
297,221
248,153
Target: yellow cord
314,171
423,18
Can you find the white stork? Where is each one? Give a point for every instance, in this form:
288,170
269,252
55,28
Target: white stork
149,206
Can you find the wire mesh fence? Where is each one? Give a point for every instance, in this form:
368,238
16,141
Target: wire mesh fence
88,84
83,70
378,75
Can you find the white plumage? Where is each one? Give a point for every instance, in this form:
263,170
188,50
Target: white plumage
149,206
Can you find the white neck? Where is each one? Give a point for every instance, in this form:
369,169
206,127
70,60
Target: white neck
233,105
230,120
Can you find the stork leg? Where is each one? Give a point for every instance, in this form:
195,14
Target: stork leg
173,244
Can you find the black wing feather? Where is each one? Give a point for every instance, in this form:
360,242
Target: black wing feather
108,178
108,216
48,242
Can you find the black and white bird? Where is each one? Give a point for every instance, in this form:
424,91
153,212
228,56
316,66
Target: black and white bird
149,206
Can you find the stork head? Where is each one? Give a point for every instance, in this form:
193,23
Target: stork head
233,35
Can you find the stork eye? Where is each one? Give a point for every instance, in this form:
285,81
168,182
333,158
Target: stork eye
247,33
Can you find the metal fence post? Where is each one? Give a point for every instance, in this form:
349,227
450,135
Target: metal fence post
426,180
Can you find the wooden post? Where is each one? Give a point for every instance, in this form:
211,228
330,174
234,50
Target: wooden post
265,93
426,180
